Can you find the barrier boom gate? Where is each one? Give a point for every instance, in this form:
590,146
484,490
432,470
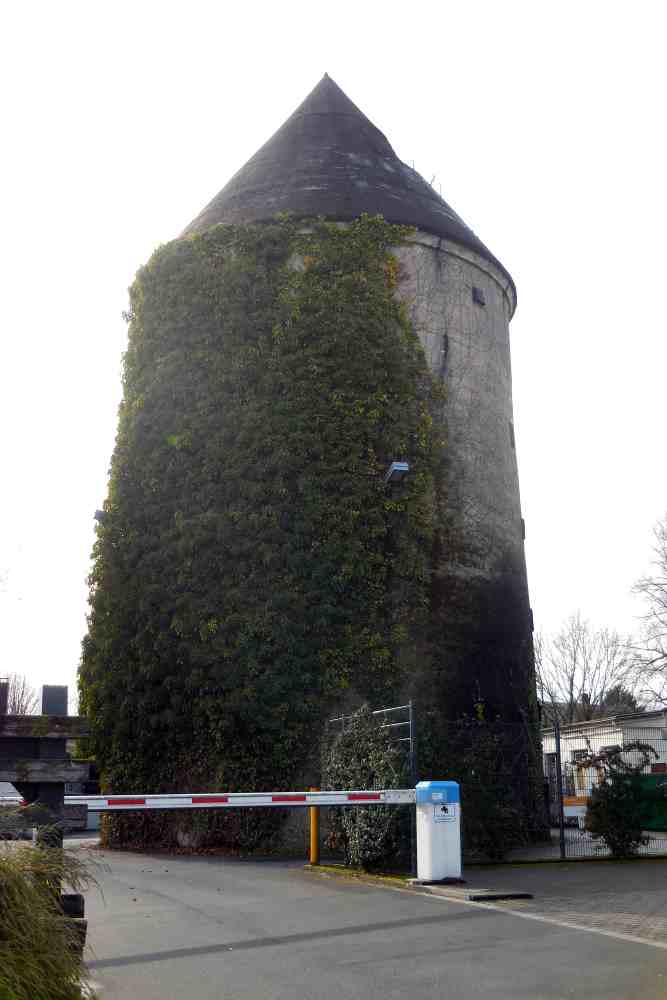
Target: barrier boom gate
437,804
235,800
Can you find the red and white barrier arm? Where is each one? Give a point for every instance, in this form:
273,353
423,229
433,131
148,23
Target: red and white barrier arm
235,800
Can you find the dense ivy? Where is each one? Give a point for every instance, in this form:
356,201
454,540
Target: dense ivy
252,568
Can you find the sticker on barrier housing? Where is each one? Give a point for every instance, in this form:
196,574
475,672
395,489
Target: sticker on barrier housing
445,812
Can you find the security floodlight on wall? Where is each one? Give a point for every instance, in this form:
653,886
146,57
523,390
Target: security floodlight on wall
396,472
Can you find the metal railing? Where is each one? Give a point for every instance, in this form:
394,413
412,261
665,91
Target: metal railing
411,741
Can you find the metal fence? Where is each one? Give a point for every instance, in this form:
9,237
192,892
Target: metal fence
400,725
577,763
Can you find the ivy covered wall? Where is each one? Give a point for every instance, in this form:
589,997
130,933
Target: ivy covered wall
252,568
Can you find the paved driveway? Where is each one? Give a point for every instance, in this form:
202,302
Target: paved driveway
199,929
621,898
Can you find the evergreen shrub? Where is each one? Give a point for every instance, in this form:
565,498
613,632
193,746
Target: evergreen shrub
619,802
363,756
482,757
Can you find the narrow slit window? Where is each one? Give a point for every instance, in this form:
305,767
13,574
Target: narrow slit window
478,296
444,352
512,438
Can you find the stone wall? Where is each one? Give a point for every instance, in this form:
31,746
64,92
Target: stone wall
460,306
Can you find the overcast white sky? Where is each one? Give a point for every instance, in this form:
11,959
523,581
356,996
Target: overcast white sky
544,124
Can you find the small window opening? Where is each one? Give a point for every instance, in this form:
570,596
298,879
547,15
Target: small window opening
523,528
512,438
444,353
478,296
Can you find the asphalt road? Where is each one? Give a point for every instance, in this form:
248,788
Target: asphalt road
210,929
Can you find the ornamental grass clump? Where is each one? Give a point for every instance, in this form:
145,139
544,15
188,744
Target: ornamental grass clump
39,955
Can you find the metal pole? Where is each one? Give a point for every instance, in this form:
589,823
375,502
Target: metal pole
314,813
559,782
414,777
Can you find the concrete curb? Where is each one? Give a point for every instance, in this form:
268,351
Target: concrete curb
452,892
469,895
491,897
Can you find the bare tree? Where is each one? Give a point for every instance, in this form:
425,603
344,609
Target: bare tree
22,698
584,673
651,649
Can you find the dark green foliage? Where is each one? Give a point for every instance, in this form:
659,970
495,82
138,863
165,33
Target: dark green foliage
620,802
619,700
491,764
241,577
363,756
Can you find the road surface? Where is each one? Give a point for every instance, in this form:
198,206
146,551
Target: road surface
175,928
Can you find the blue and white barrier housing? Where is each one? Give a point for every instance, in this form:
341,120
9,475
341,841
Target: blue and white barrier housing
438,831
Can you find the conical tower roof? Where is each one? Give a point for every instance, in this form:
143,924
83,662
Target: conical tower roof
329,160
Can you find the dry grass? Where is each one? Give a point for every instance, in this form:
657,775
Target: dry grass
38,959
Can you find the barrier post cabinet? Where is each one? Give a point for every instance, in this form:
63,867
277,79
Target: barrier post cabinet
438,805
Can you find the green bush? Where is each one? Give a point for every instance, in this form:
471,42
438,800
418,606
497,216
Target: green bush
39,959
492,824
489,761
619,801
251,567
363,756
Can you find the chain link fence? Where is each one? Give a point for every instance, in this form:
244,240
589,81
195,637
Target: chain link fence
579,759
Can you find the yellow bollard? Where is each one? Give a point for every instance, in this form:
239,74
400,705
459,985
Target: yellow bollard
314,832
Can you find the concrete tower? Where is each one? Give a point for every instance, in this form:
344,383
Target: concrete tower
329,160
